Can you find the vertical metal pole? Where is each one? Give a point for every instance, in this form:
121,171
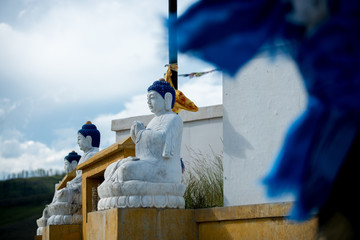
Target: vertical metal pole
173,58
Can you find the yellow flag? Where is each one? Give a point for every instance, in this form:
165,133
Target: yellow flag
181,102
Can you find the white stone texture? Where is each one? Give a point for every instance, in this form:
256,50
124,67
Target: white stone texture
42,222
259,105
133,194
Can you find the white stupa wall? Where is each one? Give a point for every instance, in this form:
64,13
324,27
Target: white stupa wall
258,106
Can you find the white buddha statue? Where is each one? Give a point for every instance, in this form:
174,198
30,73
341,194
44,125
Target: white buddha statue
70,163
153,177
67,203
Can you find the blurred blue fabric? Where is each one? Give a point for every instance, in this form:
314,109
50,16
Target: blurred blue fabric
228,33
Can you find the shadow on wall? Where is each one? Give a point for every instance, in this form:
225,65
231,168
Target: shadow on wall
235,145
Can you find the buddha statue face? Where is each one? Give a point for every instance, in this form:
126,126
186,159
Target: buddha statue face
88,137
160,97
85,143
155,102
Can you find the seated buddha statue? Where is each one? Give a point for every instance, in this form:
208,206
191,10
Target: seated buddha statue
153,177
70,163
67,203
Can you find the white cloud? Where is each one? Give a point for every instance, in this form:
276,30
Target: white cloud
16,155
105,48
205,90
6,106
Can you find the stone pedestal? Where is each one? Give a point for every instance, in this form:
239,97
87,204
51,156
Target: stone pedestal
61,232
255,222
142,223
93,173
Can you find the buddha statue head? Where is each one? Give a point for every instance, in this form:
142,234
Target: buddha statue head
161,97
71,161
88,137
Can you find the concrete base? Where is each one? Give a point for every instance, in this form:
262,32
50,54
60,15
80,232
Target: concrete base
142,223
274,228
61,232
255,222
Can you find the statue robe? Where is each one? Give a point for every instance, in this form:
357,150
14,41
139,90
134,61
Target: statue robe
157,153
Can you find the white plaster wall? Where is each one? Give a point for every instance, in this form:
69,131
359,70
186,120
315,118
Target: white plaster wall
202,132
259,104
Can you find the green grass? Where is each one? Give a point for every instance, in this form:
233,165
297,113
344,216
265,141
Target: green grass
20,230
18,213
203,178
24,187
22,202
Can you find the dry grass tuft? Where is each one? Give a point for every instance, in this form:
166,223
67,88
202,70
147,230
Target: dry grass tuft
203,178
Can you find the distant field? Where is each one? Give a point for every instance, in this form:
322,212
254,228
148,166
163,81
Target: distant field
21,203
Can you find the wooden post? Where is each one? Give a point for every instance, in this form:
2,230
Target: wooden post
173,40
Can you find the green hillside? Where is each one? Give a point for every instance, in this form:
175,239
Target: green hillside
22,202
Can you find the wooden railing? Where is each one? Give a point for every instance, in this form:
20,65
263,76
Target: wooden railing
68,177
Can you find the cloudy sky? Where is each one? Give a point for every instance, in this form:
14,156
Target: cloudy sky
64,62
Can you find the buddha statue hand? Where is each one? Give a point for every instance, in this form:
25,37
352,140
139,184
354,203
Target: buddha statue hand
135,131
